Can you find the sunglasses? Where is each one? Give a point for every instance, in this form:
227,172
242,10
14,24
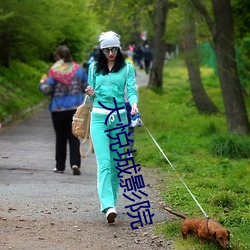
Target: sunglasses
106,51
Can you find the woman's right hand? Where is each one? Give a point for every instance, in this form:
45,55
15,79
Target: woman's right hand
134,109
90,91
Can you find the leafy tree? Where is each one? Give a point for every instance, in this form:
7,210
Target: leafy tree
201,99
28,33
242,33
221,28
241,18
156,72
126,17
175,24
22,35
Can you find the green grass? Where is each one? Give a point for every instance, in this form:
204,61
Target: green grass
214,164
19,88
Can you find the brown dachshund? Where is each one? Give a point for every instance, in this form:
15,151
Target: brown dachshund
204,229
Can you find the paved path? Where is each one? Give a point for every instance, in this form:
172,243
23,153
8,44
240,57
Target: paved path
141,78
27,160
29,188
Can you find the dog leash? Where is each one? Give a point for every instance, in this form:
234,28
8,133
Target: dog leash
174,170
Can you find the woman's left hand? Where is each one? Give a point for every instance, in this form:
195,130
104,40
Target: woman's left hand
134,109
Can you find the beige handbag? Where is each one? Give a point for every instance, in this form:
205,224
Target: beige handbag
81,126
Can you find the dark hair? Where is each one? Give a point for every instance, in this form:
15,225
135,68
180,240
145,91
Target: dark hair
102,67
64,53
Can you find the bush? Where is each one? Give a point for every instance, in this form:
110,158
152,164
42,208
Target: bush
223,200
19,88
231,146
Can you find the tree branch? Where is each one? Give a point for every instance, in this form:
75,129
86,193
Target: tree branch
202,9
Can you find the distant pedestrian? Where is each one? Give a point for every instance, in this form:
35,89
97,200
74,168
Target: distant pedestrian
93,55
107,82
138,55
147,55
65,84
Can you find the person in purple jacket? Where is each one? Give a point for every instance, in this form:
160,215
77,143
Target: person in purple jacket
65,83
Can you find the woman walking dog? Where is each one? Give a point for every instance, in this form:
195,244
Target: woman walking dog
108,77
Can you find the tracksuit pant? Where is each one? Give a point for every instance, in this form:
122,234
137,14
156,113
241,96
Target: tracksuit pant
107,179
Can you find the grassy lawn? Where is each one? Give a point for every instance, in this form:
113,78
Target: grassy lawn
19,88
214,164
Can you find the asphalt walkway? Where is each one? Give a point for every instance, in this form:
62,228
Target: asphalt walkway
29,188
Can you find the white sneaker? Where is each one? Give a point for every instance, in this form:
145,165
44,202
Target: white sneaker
111,214
58,171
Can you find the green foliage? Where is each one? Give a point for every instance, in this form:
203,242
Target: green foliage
219,183
243,59
128,18
175,28
175,25
224,200
19,87
231,146
169,229
241,17
29,33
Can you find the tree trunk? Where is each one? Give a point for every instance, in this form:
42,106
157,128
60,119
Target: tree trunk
235,109
223,38
201,99
159,46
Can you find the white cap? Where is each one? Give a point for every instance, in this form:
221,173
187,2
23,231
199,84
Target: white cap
109,39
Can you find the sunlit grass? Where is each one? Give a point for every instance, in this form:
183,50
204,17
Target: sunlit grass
192,143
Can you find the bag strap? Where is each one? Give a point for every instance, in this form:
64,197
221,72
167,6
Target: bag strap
126,83
93,74
85,139
127,75
85,99
93,70
91,148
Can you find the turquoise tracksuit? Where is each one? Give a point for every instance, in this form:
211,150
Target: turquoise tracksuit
106,87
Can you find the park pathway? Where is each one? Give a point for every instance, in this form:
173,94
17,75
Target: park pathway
43,210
